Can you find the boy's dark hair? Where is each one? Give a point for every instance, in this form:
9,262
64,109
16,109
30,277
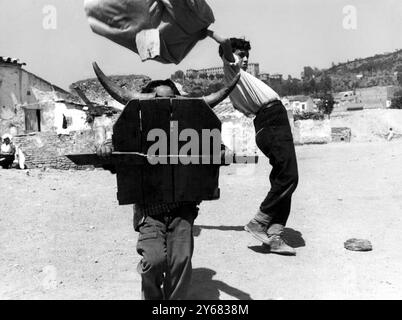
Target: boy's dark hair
149,88
237,43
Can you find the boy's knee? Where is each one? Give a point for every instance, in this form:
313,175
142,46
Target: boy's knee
154,263
151,247
295,179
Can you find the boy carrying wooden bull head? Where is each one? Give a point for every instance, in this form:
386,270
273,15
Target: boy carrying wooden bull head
165,229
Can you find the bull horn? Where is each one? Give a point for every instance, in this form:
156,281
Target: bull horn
215,98
119,94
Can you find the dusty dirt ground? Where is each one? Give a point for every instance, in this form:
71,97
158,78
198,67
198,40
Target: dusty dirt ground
63,235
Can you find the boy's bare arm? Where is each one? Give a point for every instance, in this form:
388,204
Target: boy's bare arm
225,43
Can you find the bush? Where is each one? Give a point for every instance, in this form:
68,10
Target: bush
396,102
309,116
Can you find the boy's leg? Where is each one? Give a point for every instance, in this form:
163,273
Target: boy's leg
180,247
284,175
278,223
151,246
274,139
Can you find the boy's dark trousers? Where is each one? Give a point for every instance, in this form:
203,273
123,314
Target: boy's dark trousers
166,244
274,139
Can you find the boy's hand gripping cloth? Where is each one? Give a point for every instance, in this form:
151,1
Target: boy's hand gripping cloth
161,30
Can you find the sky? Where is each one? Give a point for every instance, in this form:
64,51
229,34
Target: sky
285,36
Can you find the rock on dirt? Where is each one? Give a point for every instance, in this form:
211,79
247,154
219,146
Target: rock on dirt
358,245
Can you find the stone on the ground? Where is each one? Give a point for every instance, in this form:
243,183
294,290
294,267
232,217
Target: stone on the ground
358,245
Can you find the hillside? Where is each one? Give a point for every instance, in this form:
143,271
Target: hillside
96,93
379,70
370,125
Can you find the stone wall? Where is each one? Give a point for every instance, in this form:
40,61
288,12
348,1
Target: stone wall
238,134
341,134
312,132
21,90
48,150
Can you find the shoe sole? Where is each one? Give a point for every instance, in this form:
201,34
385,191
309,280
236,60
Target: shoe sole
282,253
255,235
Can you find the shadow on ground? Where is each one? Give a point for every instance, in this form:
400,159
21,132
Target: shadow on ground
292,237
204,287
197,229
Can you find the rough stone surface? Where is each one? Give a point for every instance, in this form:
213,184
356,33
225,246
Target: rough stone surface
48,150
312,132
358,245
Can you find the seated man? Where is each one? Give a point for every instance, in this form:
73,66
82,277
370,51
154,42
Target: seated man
7,152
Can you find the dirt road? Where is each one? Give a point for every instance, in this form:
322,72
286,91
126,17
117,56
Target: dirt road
63,235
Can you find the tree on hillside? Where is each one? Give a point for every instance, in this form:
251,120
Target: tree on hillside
313,86
398,70
325,84
196,91
203,75
326,105
178,75
214,87
308,73
396,102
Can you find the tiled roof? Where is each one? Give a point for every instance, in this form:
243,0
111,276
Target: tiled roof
12,61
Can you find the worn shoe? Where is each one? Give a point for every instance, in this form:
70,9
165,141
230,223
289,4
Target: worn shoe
258,231
277,245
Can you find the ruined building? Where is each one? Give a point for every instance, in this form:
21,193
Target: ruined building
29,103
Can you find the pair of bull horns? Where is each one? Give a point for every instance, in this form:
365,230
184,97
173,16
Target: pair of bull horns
124,96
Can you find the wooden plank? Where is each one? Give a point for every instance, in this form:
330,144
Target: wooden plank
126,131
127,138
129,185
137,158
195,182
157,182
117,159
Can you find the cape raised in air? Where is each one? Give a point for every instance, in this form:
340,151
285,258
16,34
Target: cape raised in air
164,31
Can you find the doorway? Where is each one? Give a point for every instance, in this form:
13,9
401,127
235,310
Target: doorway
32,120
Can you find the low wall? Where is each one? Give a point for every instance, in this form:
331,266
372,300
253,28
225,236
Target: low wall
312,132
48,150
342,134
370,125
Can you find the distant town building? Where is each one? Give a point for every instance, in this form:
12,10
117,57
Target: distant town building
253,68
299,104
271,78
191,73
365,98
29,103
264,76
